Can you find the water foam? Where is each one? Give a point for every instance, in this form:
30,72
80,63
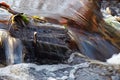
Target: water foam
115,59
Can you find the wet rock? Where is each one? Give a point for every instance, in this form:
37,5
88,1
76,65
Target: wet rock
52,43
81,71
113,6
87,44
112,21
116,77
7,78
77,58
78,66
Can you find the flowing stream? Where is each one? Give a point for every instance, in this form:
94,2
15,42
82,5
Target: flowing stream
12,46
92,45
79,67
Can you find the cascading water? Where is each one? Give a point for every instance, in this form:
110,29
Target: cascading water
51,8
90,43
12,46
94,45
79,67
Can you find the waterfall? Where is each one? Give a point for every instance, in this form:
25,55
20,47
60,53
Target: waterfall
94,46
91,44
13,47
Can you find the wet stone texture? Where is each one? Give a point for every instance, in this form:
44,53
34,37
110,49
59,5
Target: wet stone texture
89,70
78,67
44,44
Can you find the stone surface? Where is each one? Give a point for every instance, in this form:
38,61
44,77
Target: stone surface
89,70
78,67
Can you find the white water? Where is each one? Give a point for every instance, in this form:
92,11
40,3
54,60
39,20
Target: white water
115,59
13,47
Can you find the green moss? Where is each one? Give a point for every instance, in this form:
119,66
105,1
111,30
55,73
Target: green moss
24,18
